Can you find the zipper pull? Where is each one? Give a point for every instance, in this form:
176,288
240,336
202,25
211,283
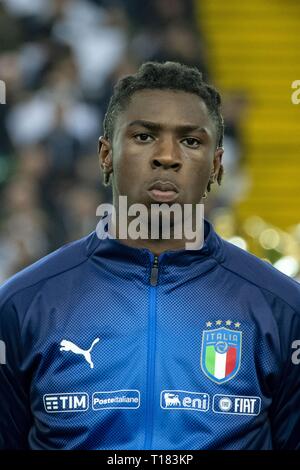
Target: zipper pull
154,272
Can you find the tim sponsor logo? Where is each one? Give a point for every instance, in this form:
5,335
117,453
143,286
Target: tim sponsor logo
66,402
233,404
125,399
183,400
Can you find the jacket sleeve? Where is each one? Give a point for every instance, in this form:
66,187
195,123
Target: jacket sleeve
285,409
14,401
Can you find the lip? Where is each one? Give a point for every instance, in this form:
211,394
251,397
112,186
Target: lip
164,185
163,191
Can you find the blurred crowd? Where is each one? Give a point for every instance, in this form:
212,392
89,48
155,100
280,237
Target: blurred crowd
59,60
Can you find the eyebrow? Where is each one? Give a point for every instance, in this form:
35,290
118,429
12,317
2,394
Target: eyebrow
155,126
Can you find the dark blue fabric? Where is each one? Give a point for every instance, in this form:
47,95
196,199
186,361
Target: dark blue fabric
150,341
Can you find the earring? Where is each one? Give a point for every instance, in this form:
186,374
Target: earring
104,168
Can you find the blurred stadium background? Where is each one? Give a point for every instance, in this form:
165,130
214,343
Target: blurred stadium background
59,60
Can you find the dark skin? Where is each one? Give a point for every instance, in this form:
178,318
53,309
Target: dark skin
166,135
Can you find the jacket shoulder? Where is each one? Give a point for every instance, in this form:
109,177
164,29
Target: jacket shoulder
61,260
262,274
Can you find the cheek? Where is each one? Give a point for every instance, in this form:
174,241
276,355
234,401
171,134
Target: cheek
127,171
198,176
196,189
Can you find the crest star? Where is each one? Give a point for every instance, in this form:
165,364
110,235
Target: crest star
237,324
208,323
219,322
228,322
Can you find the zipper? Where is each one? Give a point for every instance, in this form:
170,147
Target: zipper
151,355
154,272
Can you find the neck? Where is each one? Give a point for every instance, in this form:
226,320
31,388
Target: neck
156,246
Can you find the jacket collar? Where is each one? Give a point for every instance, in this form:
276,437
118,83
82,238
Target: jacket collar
120,258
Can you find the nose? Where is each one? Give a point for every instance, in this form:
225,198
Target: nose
167,155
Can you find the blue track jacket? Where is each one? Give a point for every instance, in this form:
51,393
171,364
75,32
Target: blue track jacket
105,346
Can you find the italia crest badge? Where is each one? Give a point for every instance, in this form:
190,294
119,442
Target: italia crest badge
221,351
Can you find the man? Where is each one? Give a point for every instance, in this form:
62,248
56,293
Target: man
139,343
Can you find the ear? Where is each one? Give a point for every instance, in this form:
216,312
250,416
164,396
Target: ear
217,169
217,163
105,155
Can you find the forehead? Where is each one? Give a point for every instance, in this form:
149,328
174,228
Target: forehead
170,107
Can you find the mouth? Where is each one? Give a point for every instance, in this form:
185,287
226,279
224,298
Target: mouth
163,191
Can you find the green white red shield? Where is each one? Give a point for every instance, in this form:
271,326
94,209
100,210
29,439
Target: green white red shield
221,354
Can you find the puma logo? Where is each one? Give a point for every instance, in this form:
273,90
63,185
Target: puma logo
69,346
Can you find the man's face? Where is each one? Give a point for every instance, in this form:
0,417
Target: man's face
164,149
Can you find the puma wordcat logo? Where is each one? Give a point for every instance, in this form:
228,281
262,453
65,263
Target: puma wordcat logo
69,346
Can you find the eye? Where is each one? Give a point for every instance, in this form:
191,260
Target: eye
143,137
191,142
